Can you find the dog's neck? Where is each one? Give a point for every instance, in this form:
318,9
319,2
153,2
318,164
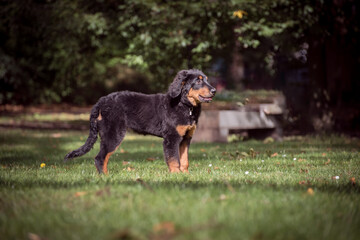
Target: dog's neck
184,103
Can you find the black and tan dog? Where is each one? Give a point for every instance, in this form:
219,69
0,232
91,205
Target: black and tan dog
172,116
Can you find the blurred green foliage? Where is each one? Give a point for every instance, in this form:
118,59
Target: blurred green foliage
78,50
54,51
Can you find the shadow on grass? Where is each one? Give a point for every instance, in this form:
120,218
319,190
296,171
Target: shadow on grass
153,186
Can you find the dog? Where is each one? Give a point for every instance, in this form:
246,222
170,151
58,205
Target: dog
172,116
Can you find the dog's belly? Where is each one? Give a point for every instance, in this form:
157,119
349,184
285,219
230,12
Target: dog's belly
146,126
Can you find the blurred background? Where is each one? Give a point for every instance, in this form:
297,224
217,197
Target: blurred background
70,53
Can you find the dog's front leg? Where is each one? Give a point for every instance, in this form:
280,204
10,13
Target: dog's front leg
171,152
184,152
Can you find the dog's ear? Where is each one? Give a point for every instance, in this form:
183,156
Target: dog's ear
176,85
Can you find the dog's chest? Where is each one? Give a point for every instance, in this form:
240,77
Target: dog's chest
186,130
187,126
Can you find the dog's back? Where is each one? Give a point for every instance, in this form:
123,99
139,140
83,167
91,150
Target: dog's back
140,112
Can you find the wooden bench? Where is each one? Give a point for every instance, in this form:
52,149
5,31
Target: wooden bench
216,125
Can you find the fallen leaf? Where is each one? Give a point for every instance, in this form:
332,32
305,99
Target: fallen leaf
125,163
33,236
328,161
79,194
101,192
216,168
122,150
303,182
130,169
150,159
310,191
202,150
323,154
274,154
164,227
352,181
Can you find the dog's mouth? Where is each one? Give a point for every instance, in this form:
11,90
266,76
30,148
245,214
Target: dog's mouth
205,99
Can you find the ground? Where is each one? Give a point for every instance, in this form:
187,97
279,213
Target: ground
300,188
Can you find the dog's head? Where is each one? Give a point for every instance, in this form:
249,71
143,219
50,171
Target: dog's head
193,87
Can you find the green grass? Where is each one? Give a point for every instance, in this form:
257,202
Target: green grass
225,196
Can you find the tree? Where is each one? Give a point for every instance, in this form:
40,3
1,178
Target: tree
61,47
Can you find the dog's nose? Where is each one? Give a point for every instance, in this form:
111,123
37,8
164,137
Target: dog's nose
213,91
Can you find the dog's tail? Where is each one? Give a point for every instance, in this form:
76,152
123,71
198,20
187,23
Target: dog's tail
93,135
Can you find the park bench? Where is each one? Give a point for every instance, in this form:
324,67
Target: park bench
263,119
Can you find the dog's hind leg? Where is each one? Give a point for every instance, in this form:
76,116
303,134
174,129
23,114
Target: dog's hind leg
110,141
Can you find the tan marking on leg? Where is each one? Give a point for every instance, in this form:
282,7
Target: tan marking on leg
184,161
173,165
191,130
107,160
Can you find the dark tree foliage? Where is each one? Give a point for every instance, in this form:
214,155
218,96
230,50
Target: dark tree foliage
54,51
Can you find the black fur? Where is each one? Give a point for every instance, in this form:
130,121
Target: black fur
172,116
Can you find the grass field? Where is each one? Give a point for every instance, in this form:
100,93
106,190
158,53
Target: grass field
301,188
